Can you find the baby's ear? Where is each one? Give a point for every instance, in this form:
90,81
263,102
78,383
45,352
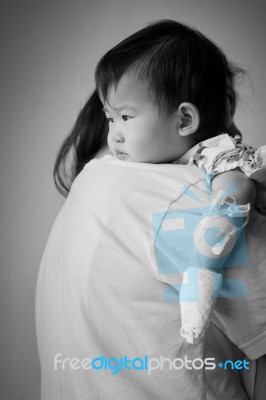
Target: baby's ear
189,119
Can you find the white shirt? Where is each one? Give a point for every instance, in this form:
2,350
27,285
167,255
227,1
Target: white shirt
101,291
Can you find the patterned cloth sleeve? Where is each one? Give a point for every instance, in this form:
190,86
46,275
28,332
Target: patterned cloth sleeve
223,153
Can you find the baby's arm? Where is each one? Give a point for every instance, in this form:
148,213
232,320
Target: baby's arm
195,316
244,188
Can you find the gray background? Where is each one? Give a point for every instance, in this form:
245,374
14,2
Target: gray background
49,50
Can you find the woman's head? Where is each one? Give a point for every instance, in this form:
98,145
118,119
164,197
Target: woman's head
175,64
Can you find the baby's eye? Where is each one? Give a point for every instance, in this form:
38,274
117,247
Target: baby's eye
110,120
125,117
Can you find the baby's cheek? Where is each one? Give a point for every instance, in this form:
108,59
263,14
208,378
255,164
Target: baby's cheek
139,138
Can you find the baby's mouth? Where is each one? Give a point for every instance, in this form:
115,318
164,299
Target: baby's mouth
121,156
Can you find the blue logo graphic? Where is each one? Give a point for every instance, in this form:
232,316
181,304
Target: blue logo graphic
210,237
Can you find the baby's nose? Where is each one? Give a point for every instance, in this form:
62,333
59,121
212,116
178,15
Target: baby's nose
118,138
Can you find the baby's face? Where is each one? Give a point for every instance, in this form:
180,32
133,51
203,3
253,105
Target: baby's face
138,130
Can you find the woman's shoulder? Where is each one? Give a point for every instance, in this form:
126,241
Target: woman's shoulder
99,159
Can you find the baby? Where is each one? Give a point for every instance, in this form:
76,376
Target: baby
164,90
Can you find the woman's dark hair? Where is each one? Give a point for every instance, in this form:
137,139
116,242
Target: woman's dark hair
176,63
87,137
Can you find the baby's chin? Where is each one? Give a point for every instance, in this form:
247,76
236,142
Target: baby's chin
120,155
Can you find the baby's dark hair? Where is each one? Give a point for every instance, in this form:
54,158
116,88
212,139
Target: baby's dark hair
177,64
